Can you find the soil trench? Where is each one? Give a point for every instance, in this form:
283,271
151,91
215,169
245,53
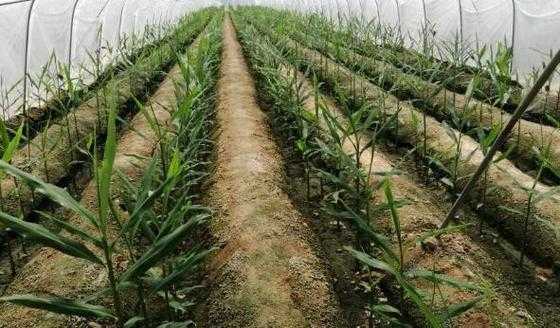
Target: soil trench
266,273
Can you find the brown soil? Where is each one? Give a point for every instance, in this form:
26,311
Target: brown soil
455,255
266,273
51,272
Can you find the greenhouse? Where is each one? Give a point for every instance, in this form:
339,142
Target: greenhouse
276,163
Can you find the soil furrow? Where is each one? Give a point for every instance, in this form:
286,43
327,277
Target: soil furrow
266,273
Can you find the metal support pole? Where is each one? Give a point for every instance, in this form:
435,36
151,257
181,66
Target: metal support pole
399,17
378,12
460,22
120,23
26,68
514,21
72,18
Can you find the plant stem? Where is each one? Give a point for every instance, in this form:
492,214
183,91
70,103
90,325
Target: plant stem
113,281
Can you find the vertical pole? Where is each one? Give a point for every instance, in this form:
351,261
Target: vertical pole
399,17
72,19
513,23
460,22
25,71
120,23
424,28
378,12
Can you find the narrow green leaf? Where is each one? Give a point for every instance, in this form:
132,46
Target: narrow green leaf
133,321
57,194
157,252
60,305
460,308
370,261
12,145
49,239
104,180
442,279
73,229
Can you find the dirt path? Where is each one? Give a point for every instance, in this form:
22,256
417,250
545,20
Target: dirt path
266,274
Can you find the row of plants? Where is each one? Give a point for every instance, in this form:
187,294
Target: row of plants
453,64
527,145
331,148
57,90
59,154
521,207
145,207
55,152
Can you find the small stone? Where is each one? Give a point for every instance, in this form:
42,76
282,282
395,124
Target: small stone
94,325
522,314
468,273
430,244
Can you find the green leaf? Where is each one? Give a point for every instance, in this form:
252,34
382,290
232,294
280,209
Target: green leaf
157,252
442,279
440,232
10,149
12,145
60,305
133,321
73,230
104,180
188,263
392,206
370,261
460,308
176,324
142,205
57,194
386,308
4,136
47,238
175,165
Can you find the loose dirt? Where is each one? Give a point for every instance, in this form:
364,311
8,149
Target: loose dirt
266,273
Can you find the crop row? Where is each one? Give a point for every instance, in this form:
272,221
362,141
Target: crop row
120,254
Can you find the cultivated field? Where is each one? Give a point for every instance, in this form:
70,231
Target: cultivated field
256,168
